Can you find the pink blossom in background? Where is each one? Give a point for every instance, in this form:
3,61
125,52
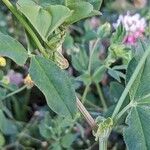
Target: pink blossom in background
94,22
134,25
15,77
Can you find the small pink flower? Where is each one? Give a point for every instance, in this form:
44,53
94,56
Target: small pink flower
134,26
130,40
138,34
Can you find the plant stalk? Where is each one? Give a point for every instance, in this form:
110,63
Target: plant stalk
123,111
102,144
15,92
101,96
85,93
131,81
91,54
86,115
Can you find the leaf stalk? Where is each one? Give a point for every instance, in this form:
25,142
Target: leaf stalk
131,81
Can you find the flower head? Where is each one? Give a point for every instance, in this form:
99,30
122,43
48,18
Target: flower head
28,81
134,25
15,77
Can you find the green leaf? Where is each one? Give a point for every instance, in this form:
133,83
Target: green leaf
99,74
80,11
56,146
51,2
80,60
67,140
38,17
104,30
117,51
119,35
138,129
1,74
2,93
140,91
7,126
11,48
137,134
95,3
85,78
116,74
94,13
55,85
3,26
89,35
116,89
68,43
2,140
44,20
59,15
45,127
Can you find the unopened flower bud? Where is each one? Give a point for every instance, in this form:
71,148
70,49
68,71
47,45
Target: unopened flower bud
5,80
2,62
104,30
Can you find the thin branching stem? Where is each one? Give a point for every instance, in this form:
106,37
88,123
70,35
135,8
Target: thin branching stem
101,96
85,93
91,54
15,92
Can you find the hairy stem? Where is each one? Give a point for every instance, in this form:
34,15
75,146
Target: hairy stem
86,115
131,81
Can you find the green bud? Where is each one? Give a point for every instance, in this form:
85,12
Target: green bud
104,30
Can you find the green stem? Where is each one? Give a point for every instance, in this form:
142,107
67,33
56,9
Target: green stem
91,54
93,105
6,86
15,92
101,96
26,26
121,113
102,144
131,81
85,93
89,69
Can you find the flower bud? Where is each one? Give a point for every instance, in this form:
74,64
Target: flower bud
5,80
104,30
28,81
2,62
